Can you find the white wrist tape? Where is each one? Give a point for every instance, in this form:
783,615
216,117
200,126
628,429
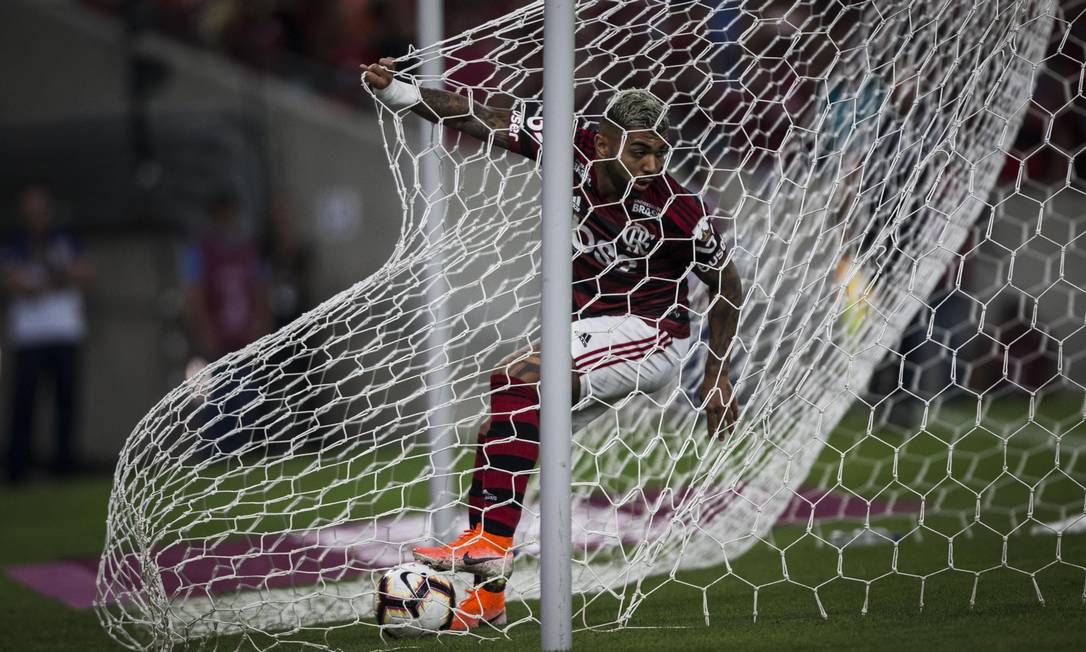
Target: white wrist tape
398,95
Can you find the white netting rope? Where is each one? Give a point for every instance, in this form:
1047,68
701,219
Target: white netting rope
847,154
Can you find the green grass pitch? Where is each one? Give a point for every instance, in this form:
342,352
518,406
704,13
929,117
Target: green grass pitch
44,523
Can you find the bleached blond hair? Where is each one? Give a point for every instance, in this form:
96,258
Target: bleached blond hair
636,109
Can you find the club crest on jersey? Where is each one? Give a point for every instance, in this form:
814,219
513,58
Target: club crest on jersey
625,252
638,240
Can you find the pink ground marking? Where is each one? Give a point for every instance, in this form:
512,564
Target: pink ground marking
827,505
197,570
70,582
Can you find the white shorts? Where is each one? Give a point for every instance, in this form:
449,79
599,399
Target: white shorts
616,356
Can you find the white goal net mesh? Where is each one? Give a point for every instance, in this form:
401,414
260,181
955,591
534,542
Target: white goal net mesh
908,360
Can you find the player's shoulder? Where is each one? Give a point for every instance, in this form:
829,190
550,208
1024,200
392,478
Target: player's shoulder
679,190
677,202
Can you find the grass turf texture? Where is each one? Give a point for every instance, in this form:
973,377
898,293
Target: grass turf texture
62,521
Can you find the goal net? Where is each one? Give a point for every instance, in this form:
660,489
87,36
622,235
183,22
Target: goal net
908,359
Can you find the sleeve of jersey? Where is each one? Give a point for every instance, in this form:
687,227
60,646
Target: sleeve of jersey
526,129
707,247
526,133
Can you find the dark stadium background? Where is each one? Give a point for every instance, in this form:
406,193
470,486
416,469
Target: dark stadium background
139,115
136,114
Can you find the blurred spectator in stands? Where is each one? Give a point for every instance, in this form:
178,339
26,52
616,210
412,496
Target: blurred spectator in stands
289,262
253,31
226,286
362,31
318,42
44,274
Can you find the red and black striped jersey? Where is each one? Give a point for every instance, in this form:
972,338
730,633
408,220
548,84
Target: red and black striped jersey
630,257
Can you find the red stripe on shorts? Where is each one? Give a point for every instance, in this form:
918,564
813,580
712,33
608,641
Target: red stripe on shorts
615,348
626,353
614,362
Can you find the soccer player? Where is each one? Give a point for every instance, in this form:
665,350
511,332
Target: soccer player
638,234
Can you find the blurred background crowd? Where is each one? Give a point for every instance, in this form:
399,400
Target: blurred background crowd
317,44
181,177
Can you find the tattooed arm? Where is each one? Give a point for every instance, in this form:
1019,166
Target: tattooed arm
448,109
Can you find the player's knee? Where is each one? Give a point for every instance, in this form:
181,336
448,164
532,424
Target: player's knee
525,370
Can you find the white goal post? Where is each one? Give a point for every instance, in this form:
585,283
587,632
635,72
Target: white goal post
908,359
556,542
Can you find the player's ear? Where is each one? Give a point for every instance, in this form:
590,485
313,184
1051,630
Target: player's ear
608,140
603,146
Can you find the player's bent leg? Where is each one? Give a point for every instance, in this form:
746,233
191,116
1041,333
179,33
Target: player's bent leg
444,556
511,451
507,448
618,354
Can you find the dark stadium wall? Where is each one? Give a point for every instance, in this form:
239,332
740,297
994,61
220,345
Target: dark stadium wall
326,163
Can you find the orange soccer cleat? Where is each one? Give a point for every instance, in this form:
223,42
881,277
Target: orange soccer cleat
482,604
474,551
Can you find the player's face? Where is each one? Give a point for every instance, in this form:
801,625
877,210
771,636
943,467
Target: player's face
642,156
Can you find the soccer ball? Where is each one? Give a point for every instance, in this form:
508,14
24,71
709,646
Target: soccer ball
414,600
